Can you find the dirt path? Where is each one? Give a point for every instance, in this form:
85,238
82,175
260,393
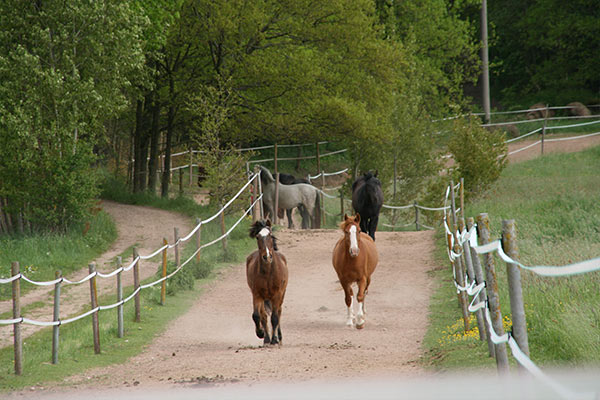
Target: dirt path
144,227
563,146
214,342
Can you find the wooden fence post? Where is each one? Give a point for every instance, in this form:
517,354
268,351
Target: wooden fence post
276,170
544,127
16,298
416,215
342,204
463,300
318,158
323,215
483,225
136,284
482,295
56,317
515,291
198,238
177,250
256,209
119,299
276,210
180,181
468,262
191,167
94,298
163,286
260,192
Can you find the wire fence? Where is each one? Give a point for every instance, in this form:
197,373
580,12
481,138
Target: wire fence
465,244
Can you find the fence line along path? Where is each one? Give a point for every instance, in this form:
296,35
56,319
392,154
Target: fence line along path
143,226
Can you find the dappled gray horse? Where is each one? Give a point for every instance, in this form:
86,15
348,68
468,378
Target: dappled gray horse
291,196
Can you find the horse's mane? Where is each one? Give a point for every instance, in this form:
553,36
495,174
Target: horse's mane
367,178
266,175
256,227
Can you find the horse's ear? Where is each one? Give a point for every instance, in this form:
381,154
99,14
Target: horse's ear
269,222
357,218
345,216
376,172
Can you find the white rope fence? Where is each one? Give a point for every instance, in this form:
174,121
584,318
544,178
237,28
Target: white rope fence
131,265
473,289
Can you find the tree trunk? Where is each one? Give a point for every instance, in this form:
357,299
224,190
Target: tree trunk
164,189
154,144
137,146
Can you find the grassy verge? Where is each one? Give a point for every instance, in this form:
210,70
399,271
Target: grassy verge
553,200
40,255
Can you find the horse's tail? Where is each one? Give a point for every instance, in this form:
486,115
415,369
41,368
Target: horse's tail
317,211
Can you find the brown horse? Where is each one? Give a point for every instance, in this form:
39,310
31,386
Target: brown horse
267,275
354,259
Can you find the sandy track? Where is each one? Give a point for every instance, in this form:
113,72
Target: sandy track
144,227
214,342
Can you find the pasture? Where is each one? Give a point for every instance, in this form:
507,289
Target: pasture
553,200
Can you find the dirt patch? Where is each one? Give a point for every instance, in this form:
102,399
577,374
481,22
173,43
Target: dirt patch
214,343
562,146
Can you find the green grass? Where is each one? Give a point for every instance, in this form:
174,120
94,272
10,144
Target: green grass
40,255
553,200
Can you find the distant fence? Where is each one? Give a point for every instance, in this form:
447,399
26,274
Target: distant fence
466,242
57,321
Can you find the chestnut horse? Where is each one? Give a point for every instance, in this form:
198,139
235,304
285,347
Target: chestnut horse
267,275
354,259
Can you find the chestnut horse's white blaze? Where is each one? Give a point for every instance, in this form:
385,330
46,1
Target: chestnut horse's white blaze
264,232
354,260
354,250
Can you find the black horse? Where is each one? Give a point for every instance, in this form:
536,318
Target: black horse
367,199
289,179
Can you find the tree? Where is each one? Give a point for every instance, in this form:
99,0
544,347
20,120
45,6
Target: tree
63,66
546,50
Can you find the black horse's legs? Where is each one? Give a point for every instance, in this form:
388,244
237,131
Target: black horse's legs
305,217
364,224
373,226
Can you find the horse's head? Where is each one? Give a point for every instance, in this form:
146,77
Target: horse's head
351,228
267,243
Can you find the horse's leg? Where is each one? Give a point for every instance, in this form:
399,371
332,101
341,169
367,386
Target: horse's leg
360,298
306,220
275,318
349,298
288,213
373,226
364,224
259,311
264,321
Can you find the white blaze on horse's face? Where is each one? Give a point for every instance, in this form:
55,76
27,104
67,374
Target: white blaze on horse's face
264,232
354,250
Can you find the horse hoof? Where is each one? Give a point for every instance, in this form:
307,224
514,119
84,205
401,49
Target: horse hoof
260,334
360,326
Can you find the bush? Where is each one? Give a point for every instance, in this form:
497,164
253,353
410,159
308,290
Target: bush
479,154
